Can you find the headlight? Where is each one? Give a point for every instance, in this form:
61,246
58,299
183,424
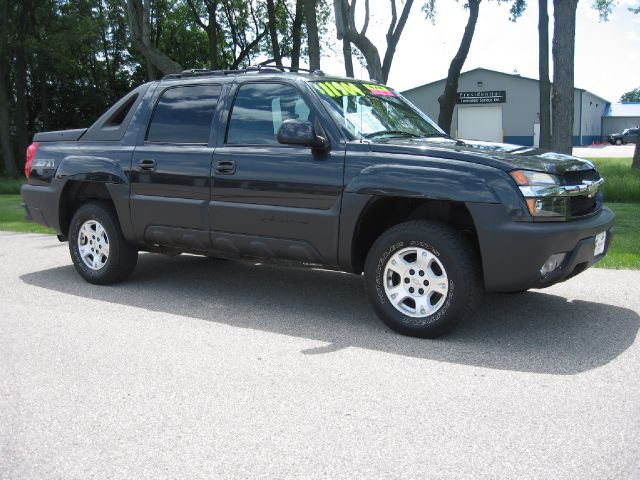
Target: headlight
527,177
541,191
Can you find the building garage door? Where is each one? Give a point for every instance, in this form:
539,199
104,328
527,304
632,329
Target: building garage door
480,123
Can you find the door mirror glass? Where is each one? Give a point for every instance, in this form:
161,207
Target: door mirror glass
300,132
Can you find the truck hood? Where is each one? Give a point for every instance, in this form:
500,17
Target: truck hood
504,156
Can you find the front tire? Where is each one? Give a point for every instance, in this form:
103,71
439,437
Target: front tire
618,141
422,278
98,249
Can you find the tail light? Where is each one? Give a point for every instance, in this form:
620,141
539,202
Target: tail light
31,153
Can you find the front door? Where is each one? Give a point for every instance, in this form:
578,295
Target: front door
272,200
480,123
170,175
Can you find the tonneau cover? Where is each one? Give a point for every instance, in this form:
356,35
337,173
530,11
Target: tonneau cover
60,135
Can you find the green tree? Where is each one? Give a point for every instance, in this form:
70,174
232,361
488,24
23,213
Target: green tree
61,64
564,39
448,99
564,14
139,15
310,14
377,67
636,153
543,72
8,157
210,26
631,96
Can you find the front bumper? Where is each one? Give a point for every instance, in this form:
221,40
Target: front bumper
513,252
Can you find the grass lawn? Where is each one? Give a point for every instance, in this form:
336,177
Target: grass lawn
10,186
621,184
625,249
12,217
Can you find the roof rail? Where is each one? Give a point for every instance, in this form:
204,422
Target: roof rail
260,68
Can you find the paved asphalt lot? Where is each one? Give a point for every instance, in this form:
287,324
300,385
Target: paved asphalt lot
605,150
201,368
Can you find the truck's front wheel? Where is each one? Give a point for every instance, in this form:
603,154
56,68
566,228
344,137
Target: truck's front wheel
422,277
98,249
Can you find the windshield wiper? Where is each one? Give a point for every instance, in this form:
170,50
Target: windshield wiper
432,135
395,133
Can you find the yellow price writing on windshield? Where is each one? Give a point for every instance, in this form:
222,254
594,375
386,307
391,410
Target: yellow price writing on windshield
340,89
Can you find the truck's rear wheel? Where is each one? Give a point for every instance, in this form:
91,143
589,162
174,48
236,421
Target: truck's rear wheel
98,249
422,278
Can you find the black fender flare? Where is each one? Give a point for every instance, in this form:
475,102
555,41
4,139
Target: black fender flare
475,184
75,169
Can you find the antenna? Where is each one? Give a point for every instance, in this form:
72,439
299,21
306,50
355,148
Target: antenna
361,107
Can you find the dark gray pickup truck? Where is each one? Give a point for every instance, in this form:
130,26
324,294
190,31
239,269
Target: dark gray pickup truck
628,135
312,169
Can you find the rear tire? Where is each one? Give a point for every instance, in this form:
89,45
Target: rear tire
98,249
422,278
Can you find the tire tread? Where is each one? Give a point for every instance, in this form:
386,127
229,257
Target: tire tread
470,264
123,256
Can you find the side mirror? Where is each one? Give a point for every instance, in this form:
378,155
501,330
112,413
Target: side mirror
300,132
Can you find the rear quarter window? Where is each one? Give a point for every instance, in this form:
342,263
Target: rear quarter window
184,115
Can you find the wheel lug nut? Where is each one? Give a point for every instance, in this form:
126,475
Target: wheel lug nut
421,291
411,290
406,280
421,273
426,283
412,272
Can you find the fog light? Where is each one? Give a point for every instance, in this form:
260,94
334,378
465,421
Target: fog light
553,262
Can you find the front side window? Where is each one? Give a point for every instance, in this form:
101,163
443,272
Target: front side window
260,109
184,115
372,111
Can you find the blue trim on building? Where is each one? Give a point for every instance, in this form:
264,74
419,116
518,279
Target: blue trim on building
586,140
580,128
525,140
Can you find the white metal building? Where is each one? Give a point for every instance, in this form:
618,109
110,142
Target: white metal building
502,107
620,116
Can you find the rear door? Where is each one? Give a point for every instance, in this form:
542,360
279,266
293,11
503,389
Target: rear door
170,174
273,200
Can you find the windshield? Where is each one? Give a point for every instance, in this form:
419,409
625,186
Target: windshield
372,111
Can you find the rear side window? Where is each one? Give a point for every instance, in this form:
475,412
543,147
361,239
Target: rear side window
184,115
120,114
259,110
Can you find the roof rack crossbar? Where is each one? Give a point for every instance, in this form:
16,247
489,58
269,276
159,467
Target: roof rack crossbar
260,68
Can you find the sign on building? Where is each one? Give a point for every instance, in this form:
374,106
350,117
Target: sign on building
493,96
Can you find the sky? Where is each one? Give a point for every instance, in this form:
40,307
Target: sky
607,57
